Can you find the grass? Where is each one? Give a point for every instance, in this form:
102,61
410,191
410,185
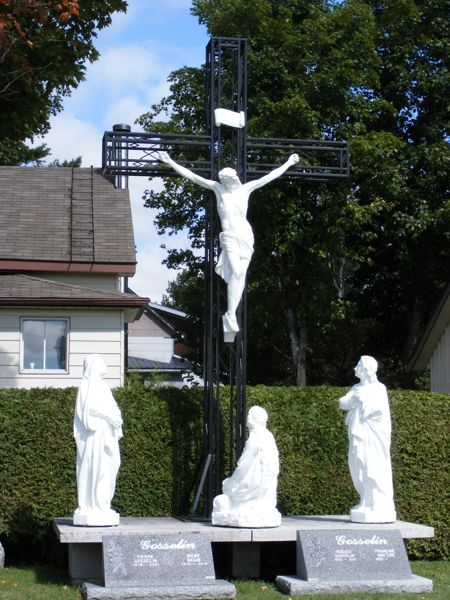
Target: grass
36,583
47,583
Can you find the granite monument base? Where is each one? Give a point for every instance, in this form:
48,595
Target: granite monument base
341,561
157,566
218,589
296,586
85,543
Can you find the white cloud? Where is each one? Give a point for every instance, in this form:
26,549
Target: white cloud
131,65
70,137
125,110
152,276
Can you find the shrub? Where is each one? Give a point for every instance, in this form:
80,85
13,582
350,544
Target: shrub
161,450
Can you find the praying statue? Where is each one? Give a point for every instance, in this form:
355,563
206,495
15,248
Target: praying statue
250,495
236,238
97,431
369,435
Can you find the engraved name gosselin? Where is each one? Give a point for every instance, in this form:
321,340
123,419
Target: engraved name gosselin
343,540
181,545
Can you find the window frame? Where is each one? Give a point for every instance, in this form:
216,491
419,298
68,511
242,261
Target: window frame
28,371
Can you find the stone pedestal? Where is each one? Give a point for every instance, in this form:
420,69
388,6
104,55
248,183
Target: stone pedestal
219,589
106,518
295,586
344,561
253,519
365,515
85,543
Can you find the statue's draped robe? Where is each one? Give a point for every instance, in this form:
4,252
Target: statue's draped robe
237,243
255,477
369,431
97,430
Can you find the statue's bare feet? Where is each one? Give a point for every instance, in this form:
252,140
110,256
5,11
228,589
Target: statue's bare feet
230,328
230,322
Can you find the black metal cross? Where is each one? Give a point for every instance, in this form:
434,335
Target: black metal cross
126,153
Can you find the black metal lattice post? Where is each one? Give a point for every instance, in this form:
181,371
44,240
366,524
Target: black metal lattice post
226,60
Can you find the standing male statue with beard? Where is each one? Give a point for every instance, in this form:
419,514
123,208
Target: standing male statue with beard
369,436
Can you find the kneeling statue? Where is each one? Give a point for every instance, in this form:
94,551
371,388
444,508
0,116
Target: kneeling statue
250,495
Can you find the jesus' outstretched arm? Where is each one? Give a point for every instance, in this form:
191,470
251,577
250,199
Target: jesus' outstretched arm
186,173
250,186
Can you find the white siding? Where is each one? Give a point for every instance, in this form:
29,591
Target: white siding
440,364
153,348
89,331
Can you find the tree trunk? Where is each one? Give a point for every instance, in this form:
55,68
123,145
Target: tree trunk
414,325
298,334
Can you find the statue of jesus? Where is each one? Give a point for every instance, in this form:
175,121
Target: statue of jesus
236,237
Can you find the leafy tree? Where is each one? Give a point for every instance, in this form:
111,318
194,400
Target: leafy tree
44,45
348,268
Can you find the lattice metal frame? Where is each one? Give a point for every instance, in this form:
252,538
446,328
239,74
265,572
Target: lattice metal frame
226,60
134,154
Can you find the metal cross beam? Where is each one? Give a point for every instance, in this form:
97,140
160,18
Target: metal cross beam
126,153
135,154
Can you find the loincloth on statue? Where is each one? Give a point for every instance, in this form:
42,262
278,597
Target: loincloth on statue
230,244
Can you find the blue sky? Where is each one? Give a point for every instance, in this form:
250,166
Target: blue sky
138,51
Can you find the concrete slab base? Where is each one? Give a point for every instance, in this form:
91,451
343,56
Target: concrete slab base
219,589
298,587
85,543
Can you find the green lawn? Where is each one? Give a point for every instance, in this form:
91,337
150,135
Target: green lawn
46,583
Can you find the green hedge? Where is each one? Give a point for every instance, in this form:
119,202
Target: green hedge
162,446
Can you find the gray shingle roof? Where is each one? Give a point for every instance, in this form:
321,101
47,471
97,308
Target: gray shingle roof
64,214
144,364
25,290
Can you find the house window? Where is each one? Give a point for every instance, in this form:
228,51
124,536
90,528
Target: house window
44,344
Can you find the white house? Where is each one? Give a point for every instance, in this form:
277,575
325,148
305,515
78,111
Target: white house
433,350
66,242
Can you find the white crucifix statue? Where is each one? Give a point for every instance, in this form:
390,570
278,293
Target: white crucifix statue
236,237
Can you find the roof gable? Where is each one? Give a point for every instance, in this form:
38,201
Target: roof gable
433,332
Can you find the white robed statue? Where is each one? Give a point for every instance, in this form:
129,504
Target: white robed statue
369,434
250,495
236,238
97,431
